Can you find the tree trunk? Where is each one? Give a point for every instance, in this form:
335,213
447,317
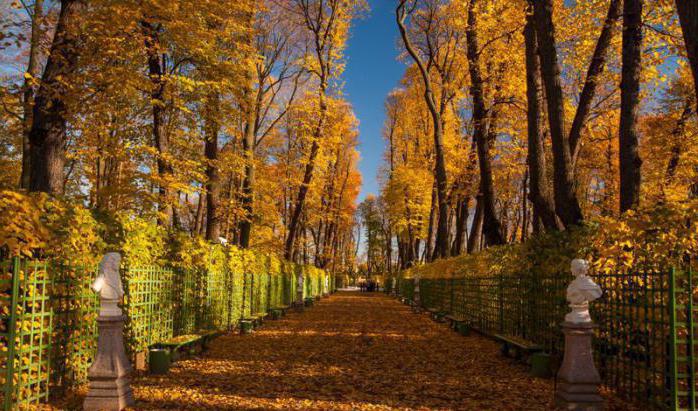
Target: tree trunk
492,227
677,137
474,239
566,201
248,146
429,249
198,215
213,189
48,129
540,196
630,162
28,92
524,207
461,226
300,200
307,175
160,139
688,16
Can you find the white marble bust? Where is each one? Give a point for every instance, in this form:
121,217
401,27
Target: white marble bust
108,285
580,292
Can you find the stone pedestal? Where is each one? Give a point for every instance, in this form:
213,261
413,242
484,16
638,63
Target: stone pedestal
109,387
578,379
416,299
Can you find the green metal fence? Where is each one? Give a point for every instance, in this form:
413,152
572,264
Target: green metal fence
48,332
645,344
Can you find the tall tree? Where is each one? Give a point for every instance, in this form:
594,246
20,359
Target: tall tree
37,19
156,61
212,129
566,202
435,53
566,146
271,87
543,205
492,227
49,123
629,155
327,25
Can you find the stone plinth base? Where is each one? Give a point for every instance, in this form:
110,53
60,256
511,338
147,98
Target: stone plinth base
578,379
108,377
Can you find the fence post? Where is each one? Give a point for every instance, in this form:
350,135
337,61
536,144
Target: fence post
673,358
450,311
268,289
500,298
12,336
690,341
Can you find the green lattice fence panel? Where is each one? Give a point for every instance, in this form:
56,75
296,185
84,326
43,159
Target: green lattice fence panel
277,294
149,306
406,287
74,342
48,331
216,310
307,282
542,316
254,293
289,282
27,322
262,292
427,293
245,295
186,301
237,292
632,341
683,313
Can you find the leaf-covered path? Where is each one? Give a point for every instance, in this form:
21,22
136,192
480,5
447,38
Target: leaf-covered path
351,351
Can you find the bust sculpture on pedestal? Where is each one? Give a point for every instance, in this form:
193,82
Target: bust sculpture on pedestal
299,293
108,285
578,378
416,303
108,376
580,292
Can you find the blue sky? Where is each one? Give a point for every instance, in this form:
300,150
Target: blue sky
372,71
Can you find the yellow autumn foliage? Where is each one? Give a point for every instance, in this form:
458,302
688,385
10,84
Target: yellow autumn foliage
650,239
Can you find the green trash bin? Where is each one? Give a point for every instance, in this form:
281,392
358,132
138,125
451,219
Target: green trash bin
462,329
159,360
246,326
540,365
275,313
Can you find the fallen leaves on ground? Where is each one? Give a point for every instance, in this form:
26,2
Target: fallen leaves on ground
352,351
